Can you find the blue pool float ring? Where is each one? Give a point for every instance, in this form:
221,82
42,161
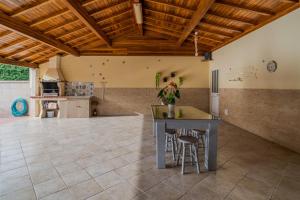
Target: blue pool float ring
15,111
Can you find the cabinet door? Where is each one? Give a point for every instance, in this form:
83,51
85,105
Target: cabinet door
79,108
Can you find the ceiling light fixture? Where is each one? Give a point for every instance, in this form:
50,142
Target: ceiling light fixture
196,43
137,7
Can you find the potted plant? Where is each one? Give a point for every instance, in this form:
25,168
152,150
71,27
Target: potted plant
169,94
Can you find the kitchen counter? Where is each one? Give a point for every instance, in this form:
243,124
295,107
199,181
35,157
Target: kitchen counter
68,106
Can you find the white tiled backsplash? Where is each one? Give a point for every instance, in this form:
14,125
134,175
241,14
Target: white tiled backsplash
79,89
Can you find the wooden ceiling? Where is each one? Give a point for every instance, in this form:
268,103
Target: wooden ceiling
32,31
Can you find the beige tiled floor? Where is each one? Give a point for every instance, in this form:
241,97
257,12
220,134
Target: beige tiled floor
113,158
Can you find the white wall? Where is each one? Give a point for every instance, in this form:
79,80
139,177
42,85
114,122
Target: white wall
9,91
244,58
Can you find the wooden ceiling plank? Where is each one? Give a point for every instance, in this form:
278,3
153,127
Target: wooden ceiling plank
109,8
214,33
222,26
233,19
115,16
79,38
159,30
29,7
30,54
202,9
59,26
71,32
243,8
88,2
166,14
170,5
85,18
5,33
164,21
118,23
10,55
253,28
16,62
49,17
13,43
27,31
120,29
163,27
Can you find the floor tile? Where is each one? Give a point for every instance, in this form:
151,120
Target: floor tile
85,189
49,187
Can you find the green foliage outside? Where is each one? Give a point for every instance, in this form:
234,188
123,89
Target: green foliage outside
13,73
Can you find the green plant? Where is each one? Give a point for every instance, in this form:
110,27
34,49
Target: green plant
169,94
157,79
13,73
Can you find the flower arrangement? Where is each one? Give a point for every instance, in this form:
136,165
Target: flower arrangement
169,94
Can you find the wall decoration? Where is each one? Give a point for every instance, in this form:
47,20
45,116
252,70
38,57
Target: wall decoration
123,61
165,79
272,66
173,74
180,81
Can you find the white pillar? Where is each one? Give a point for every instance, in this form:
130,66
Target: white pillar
34,91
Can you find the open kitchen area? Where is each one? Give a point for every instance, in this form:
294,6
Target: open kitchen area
60,98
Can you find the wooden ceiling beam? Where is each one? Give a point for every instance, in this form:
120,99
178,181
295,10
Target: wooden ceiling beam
29,7
202,9
27,31
246,9
233,19
170,5
85,18
16,62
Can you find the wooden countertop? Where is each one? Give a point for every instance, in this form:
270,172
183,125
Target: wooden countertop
60,98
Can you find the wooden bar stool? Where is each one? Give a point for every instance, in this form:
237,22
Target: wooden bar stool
171,141
192,143
200,135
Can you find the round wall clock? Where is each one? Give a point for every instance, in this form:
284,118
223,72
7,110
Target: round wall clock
272,66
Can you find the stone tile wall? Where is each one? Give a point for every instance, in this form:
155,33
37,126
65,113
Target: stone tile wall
128,101
271,114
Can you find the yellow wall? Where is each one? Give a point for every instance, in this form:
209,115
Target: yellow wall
133,71
244,58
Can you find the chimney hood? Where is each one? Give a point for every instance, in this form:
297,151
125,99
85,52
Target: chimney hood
53,72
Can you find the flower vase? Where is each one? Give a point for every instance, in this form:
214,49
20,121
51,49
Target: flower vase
171,110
